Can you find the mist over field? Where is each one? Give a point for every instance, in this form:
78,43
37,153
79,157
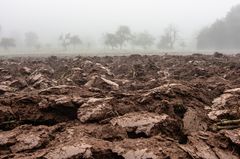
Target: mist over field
74,26
119,79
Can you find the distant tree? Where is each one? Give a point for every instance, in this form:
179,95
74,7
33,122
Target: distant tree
144,40
212,37
65,40
68,39
31,39
164,42
223,34
7,43
111,40
75,40
168,40
123,34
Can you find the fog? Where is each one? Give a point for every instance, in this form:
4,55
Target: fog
91,19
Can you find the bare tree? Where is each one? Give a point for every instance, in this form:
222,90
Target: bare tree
7,43
65,40
144,40
123,34
168,40
111,40
68,39
75,40
31,39
164,42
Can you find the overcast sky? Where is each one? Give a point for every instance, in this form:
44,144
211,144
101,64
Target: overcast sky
94,17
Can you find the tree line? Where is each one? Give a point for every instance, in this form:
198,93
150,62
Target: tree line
145,40
121,38
222,34
31,40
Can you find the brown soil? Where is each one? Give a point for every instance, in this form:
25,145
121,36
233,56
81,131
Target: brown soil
133,107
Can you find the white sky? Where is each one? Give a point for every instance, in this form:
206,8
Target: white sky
94,17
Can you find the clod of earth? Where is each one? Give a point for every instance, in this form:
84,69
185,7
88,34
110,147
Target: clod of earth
145,123
95,109
70,151
4,89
